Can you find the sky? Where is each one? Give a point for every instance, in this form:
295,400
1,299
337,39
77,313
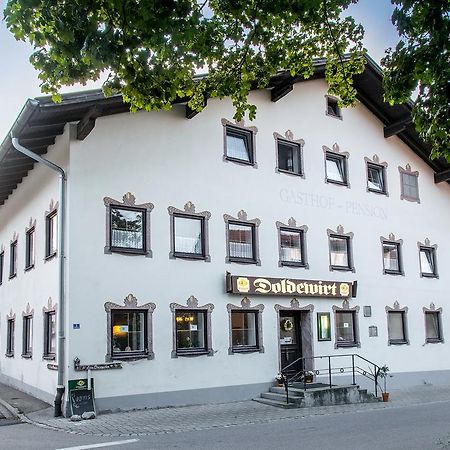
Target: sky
19,80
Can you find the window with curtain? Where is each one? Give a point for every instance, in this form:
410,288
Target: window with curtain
375,178
335,168
127,229
244,330
291,243
241,241
339,252
391,258
129,332
433,326
427,261
190,328
188,237
239,145
289,157
345,328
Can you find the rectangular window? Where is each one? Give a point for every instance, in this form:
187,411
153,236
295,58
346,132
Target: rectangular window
13,259
396,327
340,252
189,236
129,330
27,336
241,241
10,337
289,157
410,186
190,328
239,145
291,247
323,327
29,249
127,229
336,170
244,330
51,238
433,332
50,334
2,263
376,178
391,258
333,108
427,261
345,329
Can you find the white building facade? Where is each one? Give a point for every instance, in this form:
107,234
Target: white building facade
333,235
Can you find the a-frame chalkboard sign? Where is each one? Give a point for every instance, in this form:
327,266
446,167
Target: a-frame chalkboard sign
81,398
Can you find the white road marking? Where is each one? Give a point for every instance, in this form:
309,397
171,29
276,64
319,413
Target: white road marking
104,444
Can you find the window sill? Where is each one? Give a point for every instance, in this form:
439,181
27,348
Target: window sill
240,161
398,342
28,268
335,116
126,251
293,264
49,257
376,191
289,172
347,344
190,256
179,353
129,357
242,261
49,357
9,355
338,183
27,355
11,277
393,272
429,275
342,269
434,341
244,350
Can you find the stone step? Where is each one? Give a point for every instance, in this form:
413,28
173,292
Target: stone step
281,398
294,392
277,404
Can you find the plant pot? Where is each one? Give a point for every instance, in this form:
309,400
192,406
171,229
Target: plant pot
385,396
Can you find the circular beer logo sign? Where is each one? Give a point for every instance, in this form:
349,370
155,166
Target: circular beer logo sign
344,290
243,284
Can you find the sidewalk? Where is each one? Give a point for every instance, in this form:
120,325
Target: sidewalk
203,417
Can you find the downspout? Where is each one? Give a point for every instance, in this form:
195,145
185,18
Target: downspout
61,240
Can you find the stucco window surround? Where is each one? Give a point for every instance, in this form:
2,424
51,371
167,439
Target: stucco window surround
306,326
292,227
244,308
381,169
30,245
13,255
338,160
348,238
192,305
10,333
130,304
2,263
296,144
27,332
51,239
428,251
189,213
128,203
332,108
391,242
49,311
403,312
242,219
354,311
248,134
437,314
409,192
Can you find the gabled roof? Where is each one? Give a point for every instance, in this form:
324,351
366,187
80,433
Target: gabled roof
41,121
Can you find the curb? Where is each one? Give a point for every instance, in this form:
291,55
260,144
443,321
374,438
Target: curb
13,411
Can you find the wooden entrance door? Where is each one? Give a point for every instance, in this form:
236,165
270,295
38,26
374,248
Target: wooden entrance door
290,340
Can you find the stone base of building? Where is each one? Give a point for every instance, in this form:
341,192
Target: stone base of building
28,389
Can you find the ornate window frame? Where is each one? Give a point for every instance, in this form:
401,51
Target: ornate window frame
31,229
250,132
433,249
346,308
288,138
293,227
339,233
189,212
47,310
11,317
336,153
128,202
382,166
404,311
130,303
242,219
246,307
433,310
192,304
399,243
407,170
52,211
307,333
2,263
13,255
334,100
28,314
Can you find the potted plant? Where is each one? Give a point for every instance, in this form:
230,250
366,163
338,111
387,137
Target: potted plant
308,376
280,379
383,373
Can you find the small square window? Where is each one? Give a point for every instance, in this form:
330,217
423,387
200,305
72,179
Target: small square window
13,259
189,236
289,157
433,329
336,168
127,229
373,331
376,179
427,257
241,242
51,237
244,331
323,327
340,253
397,327
50,334
333,108
291,247
346,329
239,145
27,337
191,331
392,258
10,337
29,248
129,333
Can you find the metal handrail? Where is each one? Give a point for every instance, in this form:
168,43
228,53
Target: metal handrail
289,378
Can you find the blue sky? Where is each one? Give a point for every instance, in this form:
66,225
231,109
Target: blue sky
19,81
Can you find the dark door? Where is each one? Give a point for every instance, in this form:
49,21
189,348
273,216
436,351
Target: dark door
290,341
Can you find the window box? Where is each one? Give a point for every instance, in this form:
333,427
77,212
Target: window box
336,166
239,143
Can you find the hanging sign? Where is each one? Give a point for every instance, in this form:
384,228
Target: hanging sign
240,284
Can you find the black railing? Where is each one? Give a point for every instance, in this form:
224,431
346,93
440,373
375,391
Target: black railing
352,365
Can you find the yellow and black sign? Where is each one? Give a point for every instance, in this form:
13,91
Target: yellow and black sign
240,284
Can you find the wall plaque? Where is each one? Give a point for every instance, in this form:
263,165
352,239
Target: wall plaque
242,284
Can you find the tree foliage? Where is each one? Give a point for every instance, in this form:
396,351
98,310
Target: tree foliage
154,50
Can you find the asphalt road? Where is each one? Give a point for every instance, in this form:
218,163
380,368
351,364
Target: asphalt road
409,428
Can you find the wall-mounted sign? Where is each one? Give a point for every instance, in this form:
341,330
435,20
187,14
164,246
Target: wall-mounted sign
240,284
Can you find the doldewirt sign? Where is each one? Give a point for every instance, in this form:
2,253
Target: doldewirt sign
240,284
